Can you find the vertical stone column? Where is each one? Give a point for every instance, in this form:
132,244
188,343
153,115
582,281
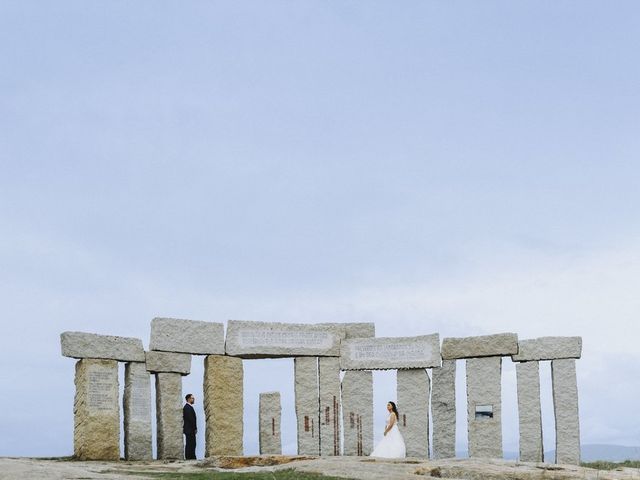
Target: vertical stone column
223,405
137,412
307,405
529,411
413,389
357,412
96,432
329,381
565,406
443,409
169,416
484,407
270,413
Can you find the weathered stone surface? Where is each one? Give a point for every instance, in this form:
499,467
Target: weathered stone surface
329,381
223,405
137,412
483,346
273,340
390,353
187,336
529,412
307,407
353,330
165,362
169,416
484,390
443,410
96,433
357,412
548,348
91,345
565,405
270,412
413,390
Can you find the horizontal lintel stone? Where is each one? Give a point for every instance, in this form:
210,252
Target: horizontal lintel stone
247,339
187,336
91,345
500,344
386,353
168,362
353,329
548,348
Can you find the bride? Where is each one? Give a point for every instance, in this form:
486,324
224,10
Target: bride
392,444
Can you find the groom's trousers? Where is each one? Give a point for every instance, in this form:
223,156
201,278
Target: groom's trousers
190,446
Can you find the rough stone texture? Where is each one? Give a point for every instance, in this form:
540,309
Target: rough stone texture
390,353
443,409
137,412
270,413
565,405
187,336
357,412
529,412
482,346
413,389
96,433
169,416
329,381
353,330
548,348
165,362
307,407
223,405
273,340
91,345
484,388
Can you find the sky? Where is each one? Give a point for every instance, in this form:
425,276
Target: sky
457,167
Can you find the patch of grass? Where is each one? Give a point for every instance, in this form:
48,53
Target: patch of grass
288,474
602,465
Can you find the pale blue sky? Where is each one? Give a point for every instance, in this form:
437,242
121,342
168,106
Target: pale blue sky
452,167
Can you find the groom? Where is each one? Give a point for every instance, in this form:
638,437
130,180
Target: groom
190,427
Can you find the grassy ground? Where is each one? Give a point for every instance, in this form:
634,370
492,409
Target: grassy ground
280,475
602,465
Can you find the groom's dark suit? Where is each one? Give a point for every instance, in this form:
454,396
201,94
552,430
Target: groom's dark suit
190,428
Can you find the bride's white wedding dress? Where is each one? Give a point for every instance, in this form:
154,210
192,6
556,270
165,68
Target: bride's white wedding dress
392,444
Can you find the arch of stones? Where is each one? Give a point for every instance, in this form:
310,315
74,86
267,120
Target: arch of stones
325,406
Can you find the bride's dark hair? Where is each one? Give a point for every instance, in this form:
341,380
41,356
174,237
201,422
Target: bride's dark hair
394,409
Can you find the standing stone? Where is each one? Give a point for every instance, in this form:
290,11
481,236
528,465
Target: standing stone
270,413
529,412
307,406
329,381
96,433
565,406
413,389
223,405
484,407
137,412
357,412
169,416
443,410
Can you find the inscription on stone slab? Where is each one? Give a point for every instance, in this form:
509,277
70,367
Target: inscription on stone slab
405,351
394,352
284,338
100,392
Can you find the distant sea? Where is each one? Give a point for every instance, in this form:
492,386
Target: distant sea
588,453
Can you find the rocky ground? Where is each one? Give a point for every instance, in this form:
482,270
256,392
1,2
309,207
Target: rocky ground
361,468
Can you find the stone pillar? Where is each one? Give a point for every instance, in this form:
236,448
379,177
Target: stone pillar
413,389
307,405
529,412
443,410
329,381
270,412
565,405
96,433
137,412
223,405
484,407
357,412
169,416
